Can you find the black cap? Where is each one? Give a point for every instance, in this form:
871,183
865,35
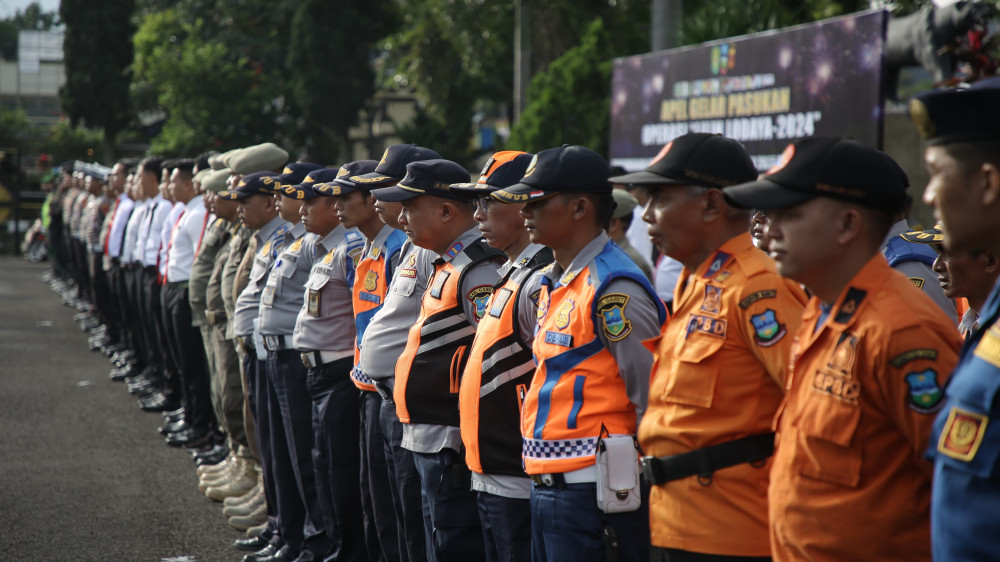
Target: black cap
966,115
342,184
425,177
252,184
503,169
566,169
696,159
307,188
392,166
837,168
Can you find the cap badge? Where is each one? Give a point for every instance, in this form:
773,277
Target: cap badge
922,118
663,152
531,166
786,157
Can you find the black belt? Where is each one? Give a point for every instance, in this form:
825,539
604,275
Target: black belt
383,389
705,461
277,343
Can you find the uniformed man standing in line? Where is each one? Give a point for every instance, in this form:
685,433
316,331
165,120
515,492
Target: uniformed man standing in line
353,205
324,337
383,342
963,159
726,348
868,367
430,368
592,380
501,365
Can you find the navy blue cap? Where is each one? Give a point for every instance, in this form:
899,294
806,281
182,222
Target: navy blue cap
959,115
503,169
837,168
426,177
392,166
342,184
307,188
251,184
566,169
292,174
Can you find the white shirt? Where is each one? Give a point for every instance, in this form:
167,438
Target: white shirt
166,232
186,240
668,270
638,236
148,245
132,231
118,224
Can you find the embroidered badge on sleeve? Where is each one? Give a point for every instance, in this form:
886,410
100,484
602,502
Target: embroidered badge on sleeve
611,309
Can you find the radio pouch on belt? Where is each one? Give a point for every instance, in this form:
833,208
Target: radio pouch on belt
618,472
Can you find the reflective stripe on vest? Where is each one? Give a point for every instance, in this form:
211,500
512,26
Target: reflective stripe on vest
496,380
371,283
576,388
430,368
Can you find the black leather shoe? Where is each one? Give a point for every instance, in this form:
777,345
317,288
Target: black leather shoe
174,427
156,402
123,373
175,413
142,389
250,543
189,438
212,456
262,555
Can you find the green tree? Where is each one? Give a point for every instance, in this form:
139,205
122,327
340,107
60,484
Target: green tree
98,53
330,80
569,102
215,70
31,18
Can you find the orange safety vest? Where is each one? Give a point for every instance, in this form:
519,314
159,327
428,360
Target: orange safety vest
371,283
496,379
577,390
431,366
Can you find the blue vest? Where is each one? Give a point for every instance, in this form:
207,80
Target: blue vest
965,447
897,251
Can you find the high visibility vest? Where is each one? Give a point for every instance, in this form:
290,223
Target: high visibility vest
576,390
496,378
371,283
437,348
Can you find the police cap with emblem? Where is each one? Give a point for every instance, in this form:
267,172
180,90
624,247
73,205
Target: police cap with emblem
836,168
565,169
426,177
392,167
959,115
251,184
933,236
342,184
291,174
306,189
503,169
696,159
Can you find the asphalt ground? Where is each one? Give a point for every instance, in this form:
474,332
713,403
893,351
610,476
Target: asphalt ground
84,474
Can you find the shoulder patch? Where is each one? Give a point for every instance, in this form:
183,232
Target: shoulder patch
759,295
912,355
962,434
925,393
917,281
850,305
988,348
712,304
611,309
534,296
480,296
356,254
718,261
767,329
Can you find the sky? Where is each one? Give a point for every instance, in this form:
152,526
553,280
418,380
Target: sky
9,7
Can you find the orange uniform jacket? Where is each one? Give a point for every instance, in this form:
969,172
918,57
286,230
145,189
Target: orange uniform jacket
848,480
718,376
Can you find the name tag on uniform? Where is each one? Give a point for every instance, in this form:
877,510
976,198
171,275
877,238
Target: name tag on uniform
267,299
312,304
560,339
370,297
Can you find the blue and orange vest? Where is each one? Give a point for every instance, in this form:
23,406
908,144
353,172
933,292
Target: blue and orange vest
577,390
496,378
371,283
430,369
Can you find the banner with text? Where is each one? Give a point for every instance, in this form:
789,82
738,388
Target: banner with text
764,90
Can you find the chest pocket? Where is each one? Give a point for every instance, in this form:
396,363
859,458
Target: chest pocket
318,279
287,268
257,272
828,426
694,379
403,285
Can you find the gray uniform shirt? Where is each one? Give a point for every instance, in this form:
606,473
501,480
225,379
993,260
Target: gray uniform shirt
635,362
385,337
281,300
326,319
428,438
270,240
